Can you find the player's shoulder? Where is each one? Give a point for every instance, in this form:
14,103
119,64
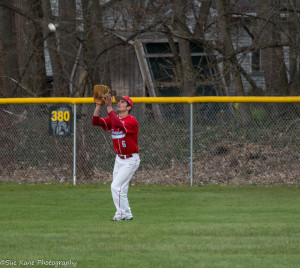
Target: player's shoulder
130,119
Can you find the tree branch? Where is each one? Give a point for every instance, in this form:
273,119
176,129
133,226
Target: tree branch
272,44
122,43
18,11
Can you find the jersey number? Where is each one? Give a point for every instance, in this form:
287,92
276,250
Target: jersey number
123,144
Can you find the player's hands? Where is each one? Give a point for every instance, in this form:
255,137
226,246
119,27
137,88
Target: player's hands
108,102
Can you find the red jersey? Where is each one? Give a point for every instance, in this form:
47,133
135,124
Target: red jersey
124,132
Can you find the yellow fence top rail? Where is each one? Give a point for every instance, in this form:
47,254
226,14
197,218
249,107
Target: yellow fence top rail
153,100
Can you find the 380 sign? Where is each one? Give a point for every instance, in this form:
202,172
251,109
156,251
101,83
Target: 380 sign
60,120
60,116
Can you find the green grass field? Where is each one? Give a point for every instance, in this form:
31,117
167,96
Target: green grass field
173,226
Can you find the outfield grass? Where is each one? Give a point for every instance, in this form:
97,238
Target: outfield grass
173,226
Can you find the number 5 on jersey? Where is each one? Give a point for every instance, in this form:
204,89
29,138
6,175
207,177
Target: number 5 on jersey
123,144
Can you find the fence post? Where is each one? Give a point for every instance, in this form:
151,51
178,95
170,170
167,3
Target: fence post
191,141
74,146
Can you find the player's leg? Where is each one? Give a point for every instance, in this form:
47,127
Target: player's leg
120,185
114,192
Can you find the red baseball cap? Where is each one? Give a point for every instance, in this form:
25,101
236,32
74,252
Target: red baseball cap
125,98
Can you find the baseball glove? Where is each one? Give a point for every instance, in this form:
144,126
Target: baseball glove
100,91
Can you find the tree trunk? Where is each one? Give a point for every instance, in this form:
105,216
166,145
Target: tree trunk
68,44
189,80
229,65
30,42
96,42
38,68
202,19
294,25
3,91
9,51
273,64
188,72
178,66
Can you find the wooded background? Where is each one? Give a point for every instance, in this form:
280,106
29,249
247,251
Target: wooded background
251,47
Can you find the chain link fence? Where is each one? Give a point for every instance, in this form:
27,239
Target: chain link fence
232,143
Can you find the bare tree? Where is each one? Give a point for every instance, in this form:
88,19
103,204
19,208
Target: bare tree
68,42
10,74
30,45
272,58
90,30
95,40
294,35
188,74
231,65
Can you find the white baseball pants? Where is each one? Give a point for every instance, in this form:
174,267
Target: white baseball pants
122,174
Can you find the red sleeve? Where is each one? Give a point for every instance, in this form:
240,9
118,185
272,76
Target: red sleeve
104,123
115,121
129,123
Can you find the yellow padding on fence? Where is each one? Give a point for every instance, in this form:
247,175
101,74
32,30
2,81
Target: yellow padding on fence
213,99
153,100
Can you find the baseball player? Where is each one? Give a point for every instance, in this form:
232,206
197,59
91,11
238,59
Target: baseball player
124,132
